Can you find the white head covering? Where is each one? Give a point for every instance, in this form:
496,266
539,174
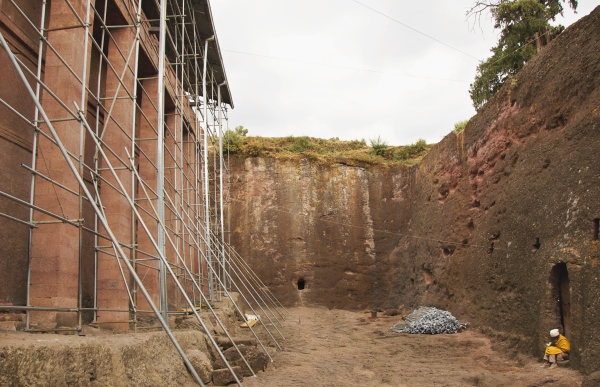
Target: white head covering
554,333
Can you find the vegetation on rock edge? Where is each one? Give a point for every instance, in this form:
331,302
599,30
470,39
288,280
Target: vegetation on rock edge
332,150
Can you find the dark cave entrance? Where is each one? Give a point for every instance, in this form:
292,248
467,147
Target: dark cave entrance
301,284
561,296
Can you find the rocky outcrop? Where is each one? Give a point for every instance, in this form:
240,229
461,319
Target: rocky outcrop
498,224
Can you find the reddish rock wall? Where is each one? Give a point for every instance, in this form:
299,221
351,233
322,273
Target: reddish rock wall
496,224
301,220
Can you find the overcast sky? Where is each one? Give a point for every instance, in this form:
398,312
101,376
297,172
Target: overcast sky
344,68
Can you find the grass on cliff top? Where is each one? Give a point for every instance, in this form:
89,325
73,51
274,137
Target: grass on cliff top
357,151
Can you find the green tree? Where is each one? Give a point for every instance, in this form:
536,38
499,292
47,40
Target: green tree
240,130
525,30
234,139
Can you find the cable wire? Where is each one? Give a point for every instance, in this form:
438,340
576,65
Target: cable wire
414,29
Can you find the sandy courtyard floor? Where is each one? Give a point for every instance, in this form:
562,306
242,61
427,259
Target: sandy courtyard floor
339,348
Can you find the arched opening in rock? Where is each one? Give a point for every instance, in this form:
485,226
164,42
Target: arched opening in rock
301,284
596,229
561,296
536,244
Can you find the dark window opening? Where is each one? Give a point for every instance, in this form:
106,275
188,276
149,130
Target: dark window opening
537,244
301,284
491,249
561,297
596,228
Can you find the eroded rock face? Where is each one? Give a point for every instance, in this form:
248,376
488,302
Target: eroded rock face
497,224
310,225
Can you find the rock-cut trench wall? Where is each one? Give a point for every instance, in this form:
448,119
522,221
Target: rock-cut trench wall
499,224
302,221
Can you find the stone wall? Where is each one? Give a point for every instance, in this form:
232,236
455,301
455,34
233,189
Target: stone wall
16,137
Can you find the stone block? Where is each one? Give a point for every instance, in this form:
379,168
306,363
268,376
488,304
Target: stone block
42,319
225,343
8,325
69,301
201,364
223,377
256,358
42,291
66,319
114,300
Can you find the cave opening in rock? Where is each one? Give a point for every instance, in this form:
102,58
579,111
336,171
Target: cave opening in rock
561,296
596,228
301,284
537,244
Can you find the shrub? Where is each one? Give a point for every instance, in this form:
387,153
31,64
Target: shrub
460,126
254,147
300,144
379,146
419,146
410,151
401,154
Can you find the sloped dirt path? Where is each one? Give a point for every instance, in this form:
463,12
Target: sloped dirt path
340,348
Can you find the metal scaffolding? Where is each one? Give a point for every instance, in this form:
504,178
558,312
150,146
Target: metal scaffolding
128,162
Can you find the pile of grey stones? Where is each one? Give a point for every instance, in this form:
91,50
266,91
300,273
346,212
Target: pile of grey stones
429,320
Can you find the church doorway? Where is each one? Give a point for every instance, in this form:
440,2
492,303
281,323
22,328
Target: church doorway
561,296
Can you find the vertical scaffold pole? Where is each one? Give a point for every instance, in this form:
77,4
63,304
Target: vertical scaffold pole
221,170
160,163
83,102
34,154
206,187
134,239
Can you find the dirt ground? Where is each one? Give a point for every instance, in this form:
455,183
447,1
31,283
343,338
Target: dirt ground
335,348
322,348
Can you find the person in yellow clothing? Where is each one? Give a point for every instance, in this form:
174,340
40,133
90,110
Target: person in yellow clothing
557,350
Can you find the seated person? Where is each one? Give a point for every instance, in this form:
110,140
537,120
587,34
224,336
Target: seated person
557,350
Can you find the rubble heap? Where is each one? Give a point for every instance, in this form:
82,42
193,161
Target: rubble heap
429,320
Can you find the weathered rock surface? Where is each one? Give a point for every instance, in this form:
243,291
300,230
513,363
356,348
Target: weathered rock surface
121,360
223,376
225,343
495,224
592,380
256,358
201,364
